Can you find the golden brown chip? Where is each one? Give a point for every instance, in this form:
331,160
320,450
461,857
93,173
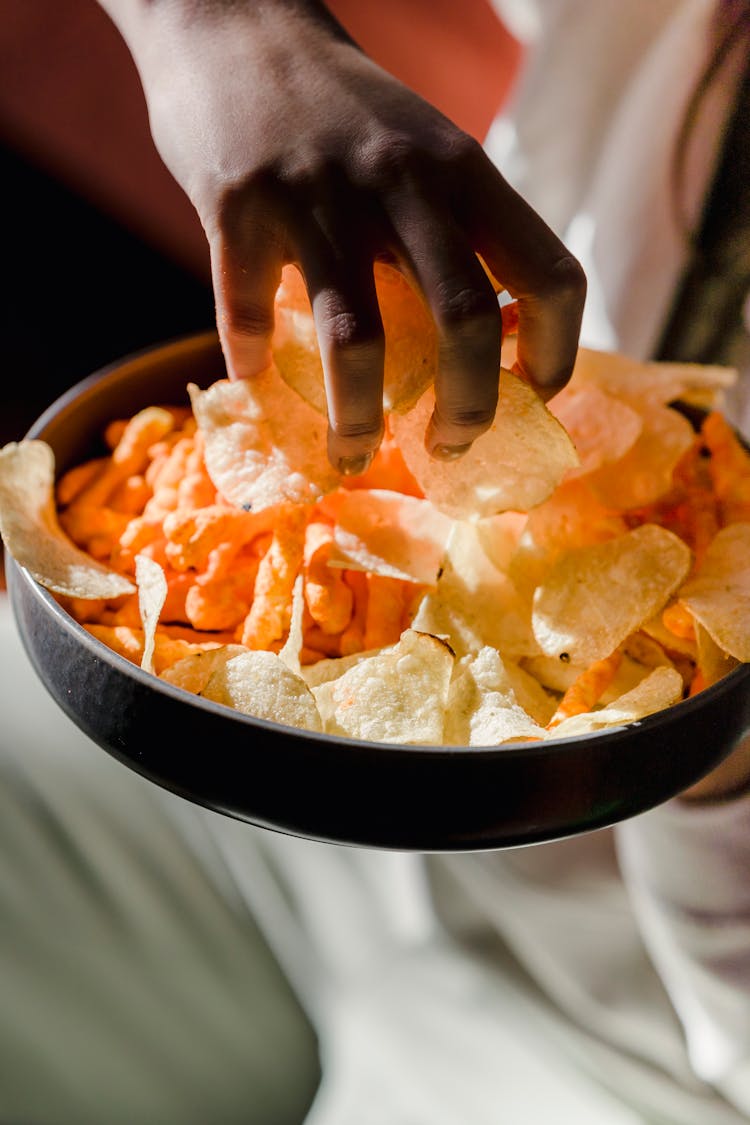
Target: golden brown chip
595,597
662,688
718,596
515,465
483,709
261,684
398,695
152,592
32,535
264,445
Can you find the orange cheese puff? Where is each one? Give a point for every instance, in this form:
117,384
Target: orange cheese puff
329,600
95,529
76,479
196,489
192,536
316,640
270,614
587,689
730,468
221,597
128,642
385,608
138,535
353,637
86,515
700,508
83,609
131,496
698,683
679,620
114,431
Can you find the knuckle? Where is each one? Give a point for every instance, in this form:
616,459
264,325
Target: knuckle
246,318
466,308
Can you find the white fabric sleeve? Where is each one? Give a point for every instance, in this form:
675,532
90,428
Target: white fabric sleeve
687,868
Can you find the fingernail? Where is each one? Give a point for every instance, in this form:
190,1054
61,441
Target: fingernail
354,466
450,452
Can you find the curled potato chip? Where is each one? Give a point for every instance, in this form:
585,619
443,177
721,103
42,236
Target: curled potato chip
410,340
718,595
514,465
152,593
660,689
32,534
474,603
595,597
482,706
601,427
261,684
652,382
264,445
644,473
387,534
193,672
398,695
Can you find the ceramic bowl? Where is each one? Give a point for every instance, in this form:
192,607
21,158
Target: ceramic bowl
413,798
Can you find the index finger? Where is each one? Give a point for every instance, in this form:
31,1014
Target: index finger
246,265
538,270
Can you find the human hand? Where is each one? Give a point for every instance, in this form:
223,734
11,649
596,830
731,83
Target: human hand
295,147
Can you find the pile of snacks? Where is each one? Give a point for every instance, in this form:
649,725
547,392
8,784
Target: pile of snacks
584,565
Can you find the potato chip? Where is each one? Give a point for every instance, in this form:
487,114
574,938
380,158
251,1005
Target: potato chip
713,662
292,646
573,516
264,445
602,428
718,595
31,532
644,474
652,382
398,695
410,340
514,465
482,706
660,689
594,597
261,684
193,672
475,604
152,593
388,534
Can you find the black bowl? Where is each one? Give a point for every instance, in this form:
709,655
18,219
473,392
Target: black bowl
419,798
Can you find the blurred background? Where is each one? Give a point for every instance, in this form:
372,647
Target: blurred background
102,252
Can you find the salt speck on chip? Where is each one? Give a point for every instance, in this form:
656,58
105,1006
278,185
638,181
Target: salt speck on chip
513,466
264,445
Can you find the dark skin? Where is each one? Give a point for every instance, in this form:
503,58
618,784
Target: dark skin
294,146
